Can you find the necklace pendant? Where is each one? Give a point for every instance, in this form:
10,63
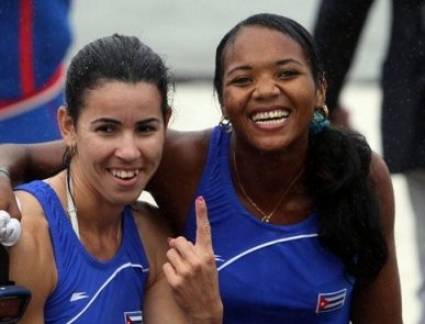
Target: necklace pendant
265,219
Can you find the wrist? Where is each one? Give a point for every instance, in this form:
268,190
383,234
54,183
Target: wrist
215,316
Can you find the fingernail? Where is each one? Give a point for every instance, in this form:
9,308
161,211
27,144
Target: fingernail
200,199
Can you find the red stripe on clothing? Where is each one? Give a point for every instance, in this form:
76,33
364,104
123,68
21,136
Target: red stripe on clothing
58,75
26,47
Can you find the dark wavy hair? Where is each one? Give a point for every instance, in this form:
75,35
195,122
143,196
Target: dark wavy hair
337,170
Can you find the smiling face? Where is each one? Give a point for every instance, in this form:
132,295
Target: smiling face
269,93
119,137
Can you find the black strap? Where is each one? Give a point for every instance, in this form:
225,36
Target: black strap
4,266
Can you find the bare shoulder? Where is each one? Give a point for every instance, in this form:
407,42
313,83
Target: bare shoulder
35,239
33,251
34,223
379,173
153,230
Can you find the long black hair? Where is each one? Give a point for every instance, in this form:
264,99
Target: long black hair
337,169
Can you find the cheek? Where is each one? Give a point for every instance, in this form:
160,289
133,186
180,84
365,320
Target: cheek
152,148
304,98
233,101
92,148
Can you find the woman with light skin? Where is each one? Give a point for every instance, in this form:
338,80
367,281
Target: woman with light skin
302,215
94,258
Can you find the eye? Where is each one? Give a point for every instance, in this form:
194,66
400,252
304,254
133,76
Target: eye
145,129
287,74
241,81
106,129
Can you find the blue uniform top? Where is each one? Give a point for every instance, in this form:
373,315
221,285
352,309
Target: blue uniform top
89,290
268,273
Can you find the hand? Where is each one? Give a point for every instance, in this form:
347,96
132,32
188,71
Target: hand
192,274
7,198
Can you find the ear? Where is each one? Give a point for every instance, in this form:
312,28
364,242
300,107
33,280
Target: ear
321,92
66,126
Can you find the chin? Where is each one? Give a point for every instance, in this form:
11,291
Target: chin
126,199
272,146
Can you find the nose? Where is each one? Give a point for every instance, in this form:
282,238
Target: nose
128,149
266,87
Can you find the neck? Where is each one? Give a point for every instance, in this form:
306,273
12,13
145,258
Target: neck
97,225
270,184
268,170
93,212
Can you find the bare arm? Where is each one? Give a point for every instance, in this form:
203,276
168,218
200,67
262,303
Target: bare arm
32,261
380,301
24,163
32,161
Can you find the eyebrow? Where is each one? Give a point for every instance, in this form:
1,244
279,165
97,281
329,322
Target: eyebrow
116,122
280,62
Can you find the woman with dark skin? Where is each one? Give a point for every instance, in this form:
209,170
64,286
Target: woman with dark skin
310,208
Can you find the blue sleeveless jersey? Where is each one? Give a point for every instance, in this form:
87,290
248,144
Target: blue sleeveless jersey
268,273
89,290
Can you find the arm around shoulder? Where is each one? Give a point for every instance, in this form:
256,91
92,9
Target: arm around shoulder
28,161
380,300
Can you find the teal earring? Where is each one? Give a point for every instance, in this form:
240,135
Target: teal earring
320,120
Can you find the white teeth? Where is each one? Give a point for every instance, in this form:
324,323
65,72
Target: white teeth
270,115
124,174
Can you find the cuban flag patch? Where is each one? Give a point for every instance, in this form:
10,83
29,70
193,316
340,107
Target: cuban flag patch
328,302
133,317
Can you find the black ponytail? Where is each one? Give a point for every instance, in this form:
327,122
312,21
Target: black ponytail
350,227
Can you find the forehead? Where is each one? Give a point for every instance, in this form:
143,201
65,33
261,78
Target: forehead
111,96
258,44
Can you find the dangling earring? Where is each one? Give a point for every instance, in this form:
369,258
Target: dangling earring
320,120
226,124
324,110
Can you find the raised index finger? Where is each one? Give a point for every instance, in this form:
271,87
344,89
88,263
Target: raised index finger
203,229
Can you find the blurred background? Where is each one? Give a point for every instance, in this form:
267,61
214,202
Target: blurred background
186,32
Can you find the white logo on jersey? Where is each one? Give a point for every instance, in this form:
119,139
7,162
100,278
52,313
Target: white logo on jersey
78,295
